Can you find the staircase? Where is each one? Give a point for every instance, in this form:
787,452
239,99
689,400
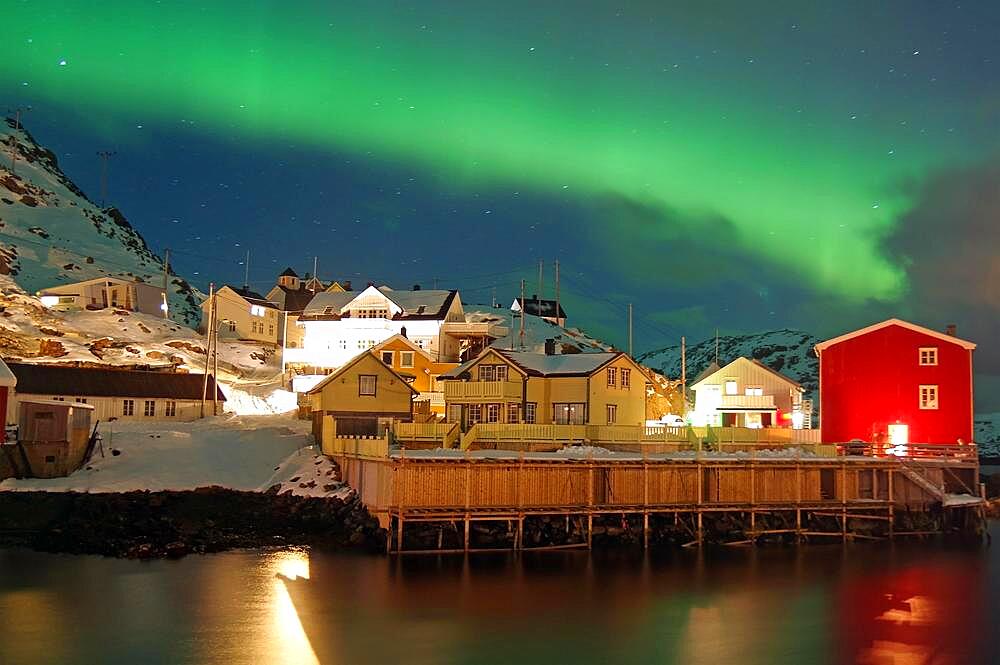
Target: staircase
914,471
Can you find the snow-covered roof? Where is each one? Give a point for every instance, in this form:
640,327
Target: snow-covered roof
570,364
706,375
944,337
421,303
7,377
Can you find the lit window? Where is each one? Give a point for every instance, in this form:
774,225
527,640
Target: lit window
128,407
257,310
387,358
406,358
612,411
612,376
626,378
475,413
754,391
928,397
928,355
731,388
366,384
149,408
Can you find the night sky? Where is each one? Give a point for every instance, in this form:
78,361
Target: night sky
742,167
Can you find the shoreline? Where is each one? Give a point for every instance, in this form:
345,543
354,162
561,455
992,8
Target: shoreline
171,524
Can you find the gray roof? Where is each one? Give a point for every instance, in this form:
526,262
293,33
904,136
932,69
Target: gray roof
424,303
540,364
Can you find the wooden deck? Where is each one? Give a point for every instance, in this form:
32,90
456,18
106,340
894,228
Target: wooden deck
839,492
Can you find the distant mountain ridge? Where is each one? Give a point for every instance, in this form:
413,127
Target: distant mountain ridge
787,351
51,233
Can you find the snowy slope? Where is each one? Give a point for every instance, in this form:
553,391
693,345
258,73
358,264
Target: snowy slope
787,351
250,454
51,233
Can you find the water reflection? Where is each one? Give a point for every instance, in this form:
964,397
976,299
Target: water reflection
866,604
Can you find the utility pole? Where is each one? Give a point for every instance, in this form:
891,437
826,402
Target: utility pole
684,373
522,316
716,346
541,277
208,344
494,291
13,137
246,272
166,282
105,155
315,269
629,330
557,292
215,355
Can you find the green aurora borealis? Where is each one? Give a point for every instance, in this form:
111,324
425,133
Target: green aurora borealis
811,192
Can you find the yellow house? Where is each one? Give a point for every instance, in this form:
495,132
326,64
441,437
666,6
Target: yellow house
501,386
417,366
365,397
242,314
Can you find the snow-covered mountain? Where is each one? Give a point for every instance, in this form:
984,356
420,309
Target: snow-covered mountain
51,233
787,351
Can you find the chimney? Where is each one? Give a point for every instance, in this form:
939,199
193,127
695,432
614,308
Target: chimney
951,329
550,347
402,331
416,287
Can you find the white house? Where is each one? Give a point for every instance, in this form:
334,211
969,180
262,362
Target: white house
746,393
123,394
105,292
339,325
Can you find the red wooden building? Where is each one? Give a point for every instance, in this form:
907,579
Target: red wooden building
896,381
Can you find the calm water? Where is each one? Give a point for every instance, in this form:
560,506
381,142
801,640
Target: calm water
865,603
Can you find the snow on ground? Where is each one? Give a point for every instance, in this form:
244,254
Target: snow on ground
242,453
599,453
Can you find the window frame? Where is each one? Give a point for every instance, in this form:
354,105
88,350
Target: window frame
128,407
170,408
402,359
734,383
149,408
530,413
513,412
753,391
390,354
928,397
625,378
361,385
493,412
612,376
931,353
611,413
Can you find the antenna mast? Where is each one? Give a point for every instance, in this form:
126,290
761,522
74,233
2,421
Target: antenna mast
629,329
246,272
523,306
13,137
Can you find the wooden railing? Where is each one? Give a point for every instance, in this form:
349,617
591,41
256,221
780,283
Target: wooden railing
373,447
445,433
481,390
966,453
520,433
758,435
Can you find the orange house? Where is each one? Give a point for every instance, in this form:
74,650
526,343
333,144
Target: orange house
416,365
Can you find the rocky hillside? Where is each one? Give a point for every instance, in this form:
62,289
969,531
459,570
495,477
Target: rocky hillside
51,233
787,351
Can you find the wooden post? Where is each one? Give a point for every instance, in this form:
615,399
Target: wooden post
645,501
590,502
843,502
892,505
468,494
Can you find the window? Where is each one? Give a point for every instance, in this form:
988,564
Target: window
406,358
257,310
612,412
270,331
171,409
343,345
128,407
626,378
59,399
366,384
513,413
731,387
149,408
529,412
569,413
612,376
492,413
754,391
387,358
67,300
81,400
475,413
232,326
928,397
361,344
487,372
501,373
454,413
928,355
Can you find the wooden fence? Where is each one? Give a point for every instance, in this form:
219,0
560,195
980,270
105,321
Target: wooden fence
427,435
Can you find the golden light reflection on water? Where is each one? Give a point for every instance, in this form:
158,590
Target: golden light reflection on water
290,643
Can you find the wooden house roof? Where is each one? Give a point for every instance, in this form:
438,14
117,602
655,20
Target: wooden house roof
354,361
944,337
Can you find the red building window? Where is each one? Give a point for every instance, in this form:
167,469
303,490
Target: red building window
928,397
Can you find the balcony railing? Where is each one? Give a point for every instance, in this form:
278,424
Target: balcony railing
474,329
469,391
747,402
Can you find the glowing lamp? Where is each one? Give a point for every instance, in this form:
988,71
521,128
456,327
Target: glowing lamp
163,307
798,418
899,437
50,301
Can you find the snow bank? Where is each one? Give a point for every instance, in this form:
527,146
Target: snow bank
242,453
259,400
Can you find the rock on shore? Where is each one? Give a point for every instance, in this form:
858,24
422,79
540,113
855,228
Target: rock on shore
144,524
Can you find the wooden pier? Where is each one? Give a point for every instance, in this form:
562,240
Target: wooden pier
475,502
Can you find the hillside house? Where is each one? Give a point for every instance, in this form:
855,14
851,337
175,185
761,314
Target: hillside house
746,393
292,296
416,366
364,397
104,292
896,382
338,325
501,386
242,314
550,310
123,394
